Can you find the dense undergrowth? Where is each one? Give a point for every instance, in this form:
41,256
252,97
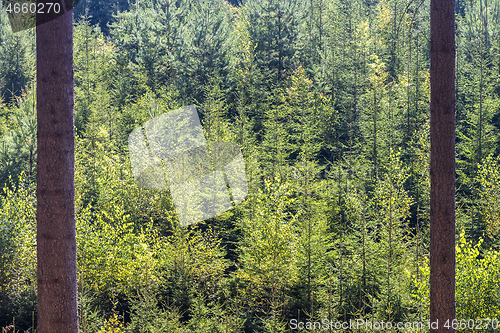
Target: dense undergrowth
329,102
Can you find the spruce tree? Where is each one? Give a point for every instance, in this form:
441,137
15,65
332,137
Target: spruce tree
275,33
17,61
56,232
442,166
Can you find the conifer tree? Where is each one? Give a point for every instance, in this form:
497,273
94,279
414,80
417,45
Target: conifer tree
102,11
442,166
276,146
149,35
476,108
56,233
18,149
275,33
392,204
203,48
17,60
268,255
305,108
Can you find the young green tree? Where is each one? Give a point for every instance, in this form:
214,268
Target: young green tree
18,277
392,208
203,48
476,284
102,11
149,35
18,149
268,256
489,194
476,107
17,61
306,108
364,253
275,33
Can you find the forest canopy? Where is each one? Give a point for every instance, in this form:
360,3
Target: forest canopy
328,101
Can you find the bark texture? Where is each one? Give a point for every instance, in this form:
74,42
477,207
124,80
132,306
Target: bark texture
56,234
442,210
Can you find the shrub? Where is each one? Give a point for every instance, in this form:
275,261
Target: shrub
477,282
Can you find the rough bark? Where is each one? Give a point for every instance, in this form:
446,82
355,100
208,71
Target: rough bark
442,169
56,234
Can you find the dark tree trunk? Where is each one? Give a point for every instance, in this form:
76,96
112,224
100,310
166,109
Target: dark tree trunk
56,234
442,213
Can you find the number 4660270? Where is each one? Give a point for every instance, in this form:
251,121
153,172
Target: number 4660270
33,8
478,324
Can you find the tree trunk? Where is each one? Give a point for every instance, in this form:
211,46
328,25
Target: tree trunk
56,234
442,169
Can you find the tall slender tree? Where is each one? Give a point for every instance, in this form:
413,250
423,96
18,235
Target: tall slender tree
56,233
442,169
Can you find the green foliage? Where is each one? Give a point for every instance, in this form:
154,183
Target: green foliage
365,263
203,49
477,281
148,317
17,60
102,11
269,254
274,32
112,259
103,176
17,254
175,42
314,243
147,35
116,263
392,207
306,109
94,64
489,194
477,104
276,142
112,325
374,244
214,111
18,146
328,101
